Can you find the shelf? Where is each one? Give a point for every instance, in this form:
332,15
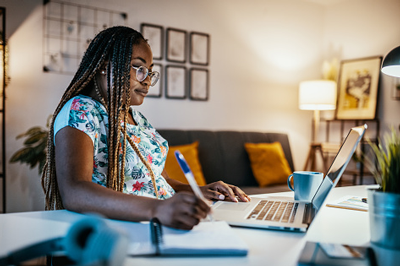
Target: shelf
352,122
330,148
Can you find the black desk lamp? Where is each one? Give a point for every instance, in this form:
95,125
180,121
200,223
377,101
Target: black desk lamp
391,63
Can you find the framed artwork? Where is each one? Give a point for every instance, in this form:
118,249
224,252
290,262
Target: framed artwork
175,83
154,35
358,88
199,48
156,90
198,84
176,45
396,89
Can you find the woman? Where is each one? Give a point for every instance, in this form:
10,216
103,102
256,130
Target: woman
99,146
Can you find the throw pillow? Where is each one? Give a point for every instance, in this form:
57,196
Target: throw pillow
191,154
268,163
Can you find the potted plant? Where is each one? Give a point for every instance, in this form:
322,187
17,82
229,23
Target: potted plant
384,202
34,151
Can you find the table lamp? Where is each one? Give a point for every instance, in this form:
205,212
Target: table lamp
391,63
316,95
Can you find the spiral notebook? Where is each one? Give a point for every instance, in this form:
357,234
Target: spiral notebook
206,239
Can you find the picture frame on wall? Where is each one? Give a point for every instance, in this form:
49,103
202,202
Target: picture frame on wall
396,89
198,84
156,90
154,35
199,48
175,82
358,88
176,45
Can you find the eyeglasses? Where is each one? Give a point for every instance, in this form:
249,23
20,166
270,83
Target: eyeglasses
142,72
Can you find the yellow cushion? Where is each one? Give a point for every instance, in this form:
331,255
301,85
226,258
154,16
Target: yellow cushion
191,154
268,163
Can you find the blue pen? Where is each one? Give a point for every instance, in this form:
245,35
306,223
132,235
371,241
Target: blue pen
190,178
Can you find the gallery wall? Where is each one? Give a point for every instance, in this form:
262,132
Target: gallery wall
259,52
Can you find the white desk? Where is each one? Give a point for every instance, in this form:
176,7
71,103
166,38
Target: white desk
265,247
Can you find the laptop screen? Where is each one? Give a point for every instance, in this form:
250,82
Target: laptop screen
338,165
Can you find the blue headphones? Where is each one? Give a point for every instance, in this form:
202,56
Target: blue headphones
89,241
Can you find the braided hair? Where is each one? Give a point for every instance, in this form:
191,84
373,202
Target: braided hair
112,46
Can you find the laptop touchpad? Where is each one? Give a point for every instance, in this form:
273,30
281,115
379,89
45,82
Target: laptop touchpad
233,206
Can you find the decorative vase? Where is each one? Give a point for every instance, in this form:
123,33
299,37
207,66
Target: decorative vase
384,217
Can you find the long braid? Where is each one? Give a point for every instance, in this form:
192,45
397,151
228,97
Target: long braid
125,105
49,181
105,46
114,106
118,106
114,122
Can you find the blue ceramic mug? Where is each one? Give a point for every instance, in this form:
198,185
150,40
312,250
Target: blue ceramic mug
305,184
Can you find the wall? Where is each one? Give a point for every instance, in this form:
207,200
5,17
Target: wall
260,51
357,29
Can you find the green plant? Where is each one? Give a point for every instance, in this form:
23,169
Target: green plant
34,151
386,169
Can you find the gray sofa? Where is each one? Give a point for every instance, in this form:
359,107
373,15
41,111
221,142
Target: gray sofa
223,157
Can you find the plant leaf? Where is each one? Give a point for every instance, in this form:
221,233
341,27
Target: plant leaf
41,147
387,167
38,136
34,151
30,131
23,155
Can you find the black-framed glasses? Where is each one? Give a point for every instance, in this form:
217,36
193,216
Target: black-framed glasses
142,72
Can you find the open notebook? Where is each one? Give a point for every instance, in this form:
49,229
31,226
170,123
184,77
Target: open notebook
207,238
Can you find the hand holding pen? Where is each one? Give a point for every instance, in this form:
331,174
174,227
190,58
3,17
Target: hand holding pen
190,178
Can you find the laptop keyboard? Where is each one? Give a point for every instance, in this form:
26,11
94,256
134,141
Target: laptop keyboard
276,211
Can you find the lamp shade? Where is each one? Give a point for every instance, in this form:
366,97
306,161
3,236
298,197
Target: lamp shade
317,95
391,63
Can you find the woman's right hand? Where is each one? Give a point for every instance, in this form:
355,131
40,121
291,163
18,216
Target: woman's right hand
182,211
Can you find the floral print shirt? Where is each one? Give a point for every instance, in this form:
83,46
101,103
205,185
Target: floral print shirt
90,116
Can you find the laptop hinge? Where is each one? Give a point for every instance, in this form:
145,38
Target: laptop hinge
309,213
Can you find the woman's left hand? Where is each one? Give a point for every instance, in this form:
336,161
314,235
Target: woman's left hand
222,191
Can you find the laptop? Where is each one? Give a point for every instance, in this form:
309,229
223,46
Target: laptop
284,213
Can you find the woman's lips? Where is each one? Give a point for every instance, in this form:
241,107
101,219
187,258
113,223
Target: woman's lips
142,92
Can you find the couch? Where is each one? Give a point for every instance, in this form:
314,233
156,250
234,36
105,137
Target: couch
223,157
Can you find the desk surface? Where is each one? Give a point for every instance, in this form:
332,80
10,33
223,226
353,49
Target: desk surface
266,247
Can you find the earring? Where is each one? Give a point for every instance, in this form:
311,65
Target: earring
103,72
